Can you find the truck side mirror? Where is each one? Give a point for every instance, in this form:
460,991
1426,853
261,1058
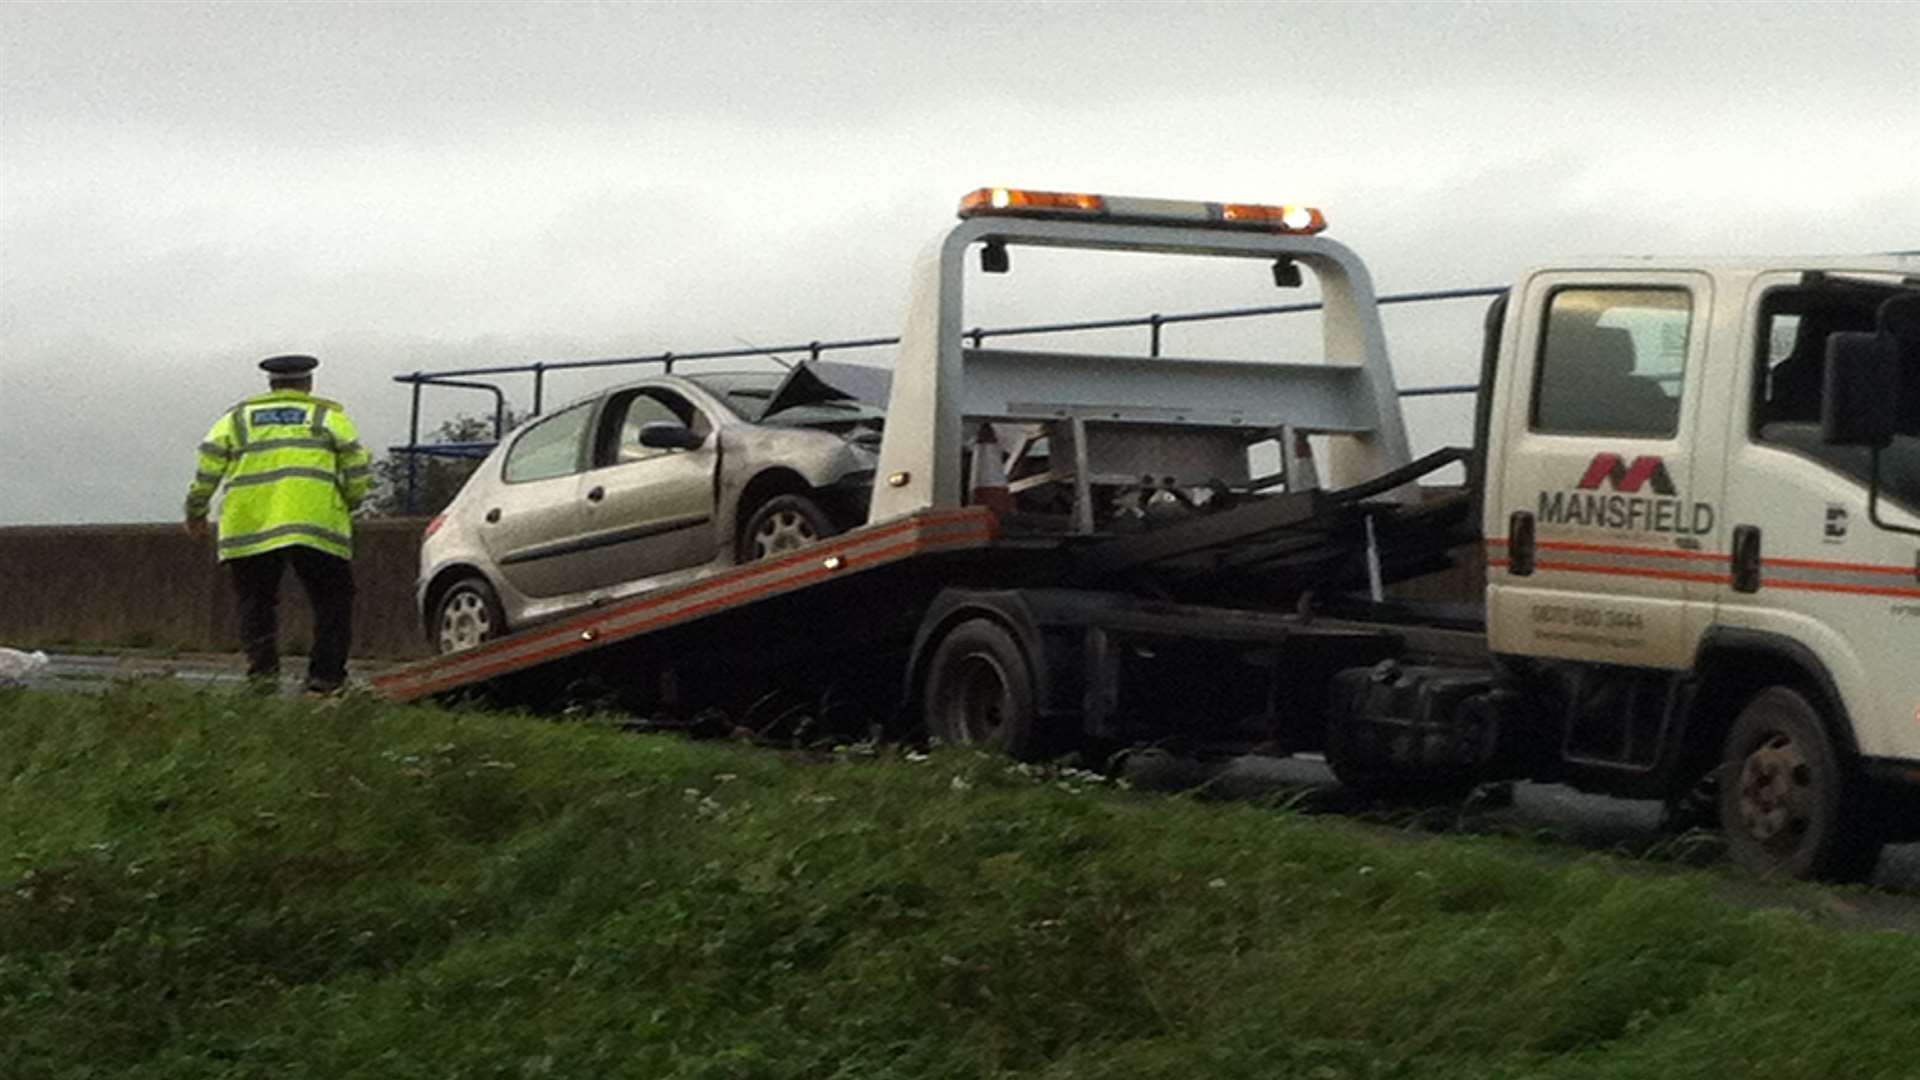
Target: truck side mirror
664,435
1862,390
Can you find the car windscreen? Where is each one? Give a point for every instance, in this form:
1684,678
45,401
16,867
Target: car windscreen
747,394
744,392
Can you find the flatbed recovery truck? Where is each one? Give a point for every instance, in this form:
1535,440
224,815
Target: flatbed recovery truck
1695,486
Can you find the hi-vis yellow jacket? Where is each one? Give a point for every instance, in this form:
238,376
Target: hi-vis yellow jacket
294,471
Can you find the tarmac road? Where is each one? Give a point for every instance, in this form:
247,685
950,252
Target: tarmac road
91,673
1565,822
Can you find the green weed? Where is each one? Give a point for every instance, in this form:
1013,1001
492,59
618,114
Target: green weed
207,884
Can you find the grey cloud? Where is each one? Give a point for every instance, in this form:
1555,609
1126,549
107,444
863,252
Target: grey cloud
353,71
184,188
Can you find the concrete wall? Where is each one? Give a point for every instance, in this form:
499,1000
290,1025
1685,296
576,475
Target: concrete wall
155,586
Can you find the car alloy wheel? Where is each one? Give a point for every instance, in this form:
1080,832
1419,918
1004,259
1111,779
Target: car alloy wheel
468,615
786,530
781,524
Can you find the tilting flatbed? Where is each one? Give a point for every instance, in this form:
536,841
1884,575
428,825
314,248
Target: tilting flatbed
840,591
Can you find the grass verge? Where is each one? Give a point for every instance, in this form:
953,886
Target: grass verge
198,885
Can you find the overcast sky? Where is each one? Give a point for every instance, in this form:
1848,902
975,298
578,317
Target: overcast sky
187,188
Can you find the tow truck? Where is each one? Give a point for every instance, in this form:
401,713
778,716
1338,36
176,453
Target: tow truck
1694,487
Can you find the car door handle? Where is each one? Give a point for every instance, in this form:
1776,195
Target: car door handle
493,515
596,494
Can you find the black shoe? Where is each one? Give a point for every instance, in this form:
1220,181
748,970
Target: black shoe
325,687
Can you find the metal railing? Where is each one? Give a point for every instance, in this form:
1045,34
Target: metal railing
459,378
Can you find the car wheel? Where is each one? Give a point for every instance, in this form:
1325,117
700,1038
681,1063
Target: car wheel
979,692
1784,798
781,524
467,614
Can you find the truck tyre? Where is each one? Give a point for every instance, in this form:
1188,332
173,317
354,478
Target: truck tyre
468,613
1785,795
781,524
979,692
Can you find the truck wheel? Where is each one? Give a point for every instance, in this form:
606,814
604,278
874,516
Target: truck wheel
979,692
467,614
1784,797
781,524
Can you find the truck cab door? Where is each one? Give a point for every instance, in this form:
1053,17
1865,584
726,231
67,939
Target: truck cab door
1599,548
1811,566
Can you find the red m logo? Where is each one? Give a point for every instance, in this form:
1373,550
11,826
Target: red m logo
1609,469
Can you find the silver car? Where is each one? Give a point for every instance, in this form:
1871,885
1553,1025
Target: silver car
644,485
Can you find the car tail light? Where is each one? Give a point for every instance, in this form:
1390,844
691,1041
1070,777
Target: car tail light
434,525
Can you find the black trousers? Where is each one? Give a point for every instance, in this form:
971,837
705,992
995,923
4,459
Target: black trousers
329,583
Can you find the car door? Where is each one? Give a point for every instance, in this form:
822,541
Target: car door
648,510
1608,552
531,521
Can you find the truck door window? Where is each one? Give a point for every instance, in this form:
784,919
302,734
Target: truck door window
1612,362
1794,327
548,448
1795,324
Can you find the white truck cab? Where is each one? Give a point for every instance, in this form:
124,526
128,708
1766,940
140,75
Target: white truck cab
1665,517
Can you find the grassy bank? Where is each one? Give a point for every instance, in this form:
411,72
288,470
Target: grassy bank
209,885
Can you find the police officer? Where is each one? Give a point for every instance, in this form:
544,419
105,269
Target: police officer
294,471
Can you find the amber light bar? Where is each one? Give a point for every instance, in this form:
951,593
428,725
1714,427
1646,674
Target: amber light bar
1021,202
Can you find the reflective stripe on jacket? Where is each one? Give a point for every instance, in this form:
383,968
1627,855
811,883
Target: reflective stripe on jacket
294,471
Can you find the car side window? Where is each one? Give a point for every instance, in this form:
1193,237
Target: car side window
642,409
653,405
549,447
1613,362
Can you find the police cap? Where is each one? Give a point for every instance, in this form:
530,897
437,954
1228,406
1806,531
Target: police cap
288,365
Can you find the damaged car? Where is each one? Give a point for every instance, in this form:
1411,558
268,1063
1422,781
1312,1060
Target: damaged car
649,484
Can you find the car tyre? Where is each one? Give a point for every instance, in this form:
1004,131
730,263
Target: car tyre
467,614
1786,798
781,524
